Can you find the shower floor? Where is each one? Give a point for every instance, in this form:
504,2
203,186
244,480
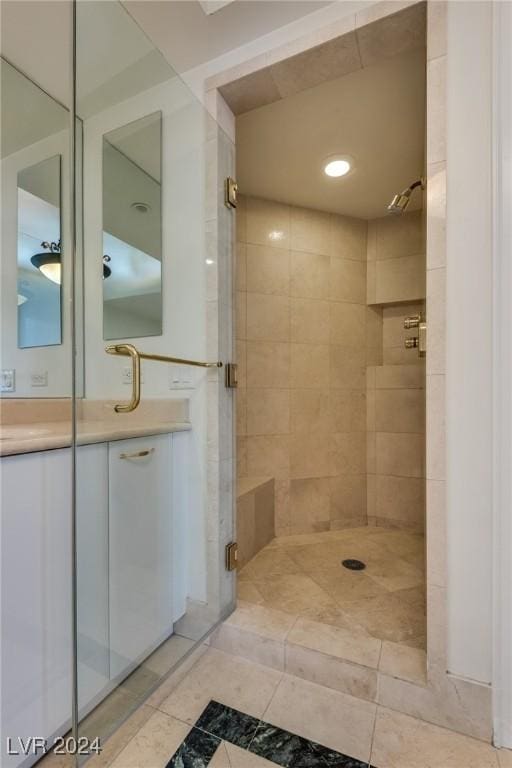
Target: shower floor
303,575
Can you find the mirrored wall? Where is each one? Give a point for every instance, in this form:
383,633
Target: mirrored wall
116,488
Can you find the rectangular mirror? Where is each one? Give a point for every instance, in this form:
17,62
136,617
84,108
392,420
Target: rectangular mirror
132,229
39,254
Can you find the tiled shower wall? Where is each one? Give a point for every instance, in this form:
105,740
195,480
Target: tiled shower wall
301,328
396,375
330,403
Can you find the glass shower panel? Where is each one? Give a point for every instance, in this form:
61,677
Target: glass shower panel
154,446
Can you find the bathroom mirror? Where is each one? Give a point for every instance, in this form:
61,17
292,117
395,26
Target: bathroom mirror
132,230
39,254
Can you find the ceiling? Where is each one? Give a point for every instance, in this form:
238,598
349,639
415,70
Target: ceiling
376,115
188,36
183,31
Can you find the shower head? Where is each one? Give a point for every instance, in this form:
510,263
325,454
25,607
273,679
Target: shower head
400,202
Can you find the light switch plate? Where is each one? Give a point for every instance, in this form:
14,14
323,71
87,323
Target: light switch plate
7,380
39,379
181,377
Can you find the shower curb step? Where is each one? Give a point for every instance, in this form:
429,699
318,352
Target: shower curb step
336,658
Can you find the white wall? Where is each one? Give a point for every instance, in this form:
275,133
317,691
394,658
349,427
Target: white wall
469,341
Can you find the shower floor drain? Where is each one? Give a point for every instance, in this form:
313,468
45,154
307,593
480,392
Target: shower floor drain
354,565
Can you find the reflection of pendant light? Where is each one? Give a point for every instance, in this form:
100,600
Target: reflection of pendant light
49,263
106,269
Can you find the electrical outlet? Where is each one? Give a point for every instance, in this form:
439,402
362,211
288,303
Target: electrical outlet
127,376
39,379
8,380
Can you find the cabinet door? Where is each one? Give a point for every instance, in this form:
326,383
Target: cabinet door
35,595
140,546
92,573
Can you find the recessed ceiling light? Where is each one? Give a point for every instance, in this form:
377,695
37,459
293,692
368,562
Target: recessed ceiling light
336,167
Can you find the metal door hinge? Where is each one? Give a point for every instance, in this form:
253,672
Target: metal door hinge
231,375
230,192
231,556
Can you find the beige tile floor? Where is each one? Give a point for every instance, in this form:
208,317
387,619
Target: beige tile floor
302,575
336,720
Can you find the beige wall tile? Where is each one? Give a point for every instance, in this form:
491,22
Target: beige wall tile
401,376
347,280
398,236
348,237
399,356
347,411
241,361
371,452
241,411
393,331
310,231
309,275
268,317
400,498
268,270
400,410
264,530
400,279
282,506
309,503
309,365
241,220
436,533
241,456
436,215
348,499
400,454
241,315
241,267
310,411
268,223
245,528
374,326
348,324
436,29
268,411
268,364
309,321
371,282
370,410
436,97
347,367
310,455
436,313
348,453
268,455
371,241
436,433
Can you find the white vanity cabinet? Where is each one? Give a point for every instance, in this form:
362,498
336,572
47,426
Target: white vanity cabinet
36,596
140,548
129,591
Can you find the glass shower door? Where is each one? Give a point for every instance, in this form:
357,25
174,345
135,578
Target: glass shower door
153,447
